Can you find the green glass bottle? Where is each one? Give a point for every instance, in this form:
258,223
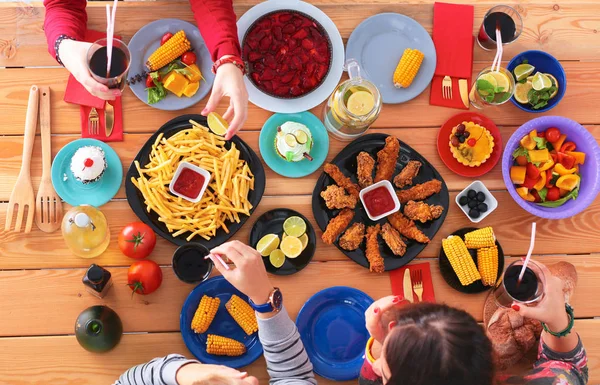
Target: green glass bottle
98,329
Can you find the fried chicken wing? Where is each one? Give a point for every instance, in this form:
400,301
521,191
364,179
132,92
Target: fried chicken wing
405,177
336,225
376,264
336,198
341,180
353,237
407,227
421,211
420,191
393,240
364,171
387,158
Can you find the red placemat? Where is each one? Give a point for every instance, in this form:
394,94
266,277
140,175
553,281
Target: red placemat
397,281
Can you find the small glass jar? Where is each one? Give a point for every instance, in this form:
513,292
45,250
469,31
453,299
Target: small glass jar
97,280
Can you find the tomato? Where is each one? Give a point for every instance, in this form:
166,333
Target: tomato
137,240
541,134
165,37
569,146
532,171
529,182
548,178
537,197
188,58
522,160
553,194
150,82
144,277
552,134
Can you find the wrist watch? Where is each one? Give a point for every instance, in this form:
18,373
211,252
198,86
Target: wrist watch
274,303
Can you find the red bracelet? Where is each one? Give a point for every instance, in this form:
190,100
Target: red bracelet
236,61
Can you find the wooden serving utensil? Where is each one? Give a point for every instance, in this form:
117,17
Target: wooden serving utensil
22,194
48,207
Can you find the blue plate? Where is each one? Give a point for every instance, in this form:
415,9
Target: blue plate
147,39
378,43
222,325
294,169
332,327
76,193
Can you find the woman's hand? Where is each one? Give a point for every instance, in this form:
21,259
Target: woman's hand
380,317
73,55
198,374
229,82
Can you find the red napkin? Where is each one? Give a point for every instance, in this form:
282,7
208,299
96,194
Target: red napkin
117,133
453,39
397,281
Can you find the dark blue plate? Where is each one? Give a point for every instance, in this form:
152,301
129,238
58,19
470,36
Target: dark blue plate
222,325
332,327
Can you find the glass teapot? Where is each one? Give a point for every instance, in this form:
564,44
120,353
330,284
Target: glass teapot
353,107
85,231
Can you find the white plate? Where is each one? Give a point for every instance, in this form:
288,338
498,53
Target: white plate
490,200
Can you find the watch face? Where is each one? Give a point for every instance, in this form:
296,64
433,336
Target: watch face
277,299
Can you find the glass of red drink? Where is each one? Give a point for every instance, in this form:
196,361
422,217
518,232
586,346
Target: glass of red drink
528,291
119,67
507,19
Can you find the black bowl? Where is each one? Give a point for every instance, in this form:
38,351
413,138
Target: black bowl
189,264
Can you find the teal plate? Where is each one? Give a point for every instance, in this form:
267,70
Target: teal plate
294,169
76,193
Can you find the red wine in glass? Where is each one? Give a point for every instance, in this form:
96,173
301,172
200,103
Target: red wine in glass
524,290
503,17
119,67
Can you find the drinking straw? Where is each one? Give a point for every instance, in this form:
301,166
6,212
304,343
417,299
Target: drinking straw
528,257
215,258
110,31
499,50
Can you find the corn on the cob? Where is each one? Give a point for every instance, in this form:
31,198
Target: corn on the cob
487,263
242,313
461,260
207,309
223,346
171,50
407,68
480,238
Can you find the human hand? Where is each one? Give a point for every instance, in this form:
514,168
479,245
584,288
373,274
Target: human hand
199,374
73,54
229,82
380,318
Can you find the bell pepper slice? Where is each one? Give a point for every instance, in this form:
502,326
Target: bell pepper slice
539,156
558,144
568,182
524,193
529,182
562,170
548,178
566,160
528,142
568,146
541,183
532,171
517,174
547,165
579,156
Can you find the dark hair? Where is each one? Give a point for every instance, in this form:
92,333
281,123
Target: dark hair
434,344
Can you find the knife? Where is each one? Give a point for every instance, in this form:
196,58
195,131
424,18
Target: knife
109,118
464,91
408,293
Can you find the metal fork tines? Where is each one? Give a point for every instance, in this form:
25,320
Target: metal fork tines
93,122
447,87
417,280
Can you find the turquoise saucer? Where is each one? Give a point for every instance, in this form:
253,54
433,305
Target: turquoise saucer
294,169
76,193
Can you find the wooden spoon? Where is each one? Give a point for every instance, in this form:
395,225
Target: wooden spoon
48,207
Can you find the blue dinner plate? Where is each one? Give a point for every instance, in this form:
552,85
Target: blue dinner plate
223,325
294,169
378,43
76,193
147,40
332,327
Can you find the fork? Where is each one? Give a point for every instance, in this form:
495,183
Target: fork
417,279
93,120
447,87
22,193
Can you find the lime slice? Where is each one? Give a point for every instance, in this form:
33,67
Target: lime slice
277,258
290,140
501,80
291,247
267,244
294,226
217,124
521,92
523,70
301,137
541,81
360,103
304,240
530,78
554,83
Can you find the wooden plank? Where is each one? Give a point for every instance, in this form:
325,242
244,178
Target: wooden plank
61,360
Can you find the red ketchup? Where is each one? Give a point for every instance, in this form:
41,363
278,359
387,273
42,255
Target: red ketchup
378,201
189,183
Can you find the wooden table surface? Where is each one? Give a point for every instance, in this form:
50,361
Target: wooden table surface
40,280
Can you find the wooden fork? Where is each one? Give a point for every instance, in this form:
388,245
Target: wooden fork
48,207
22,194
417,281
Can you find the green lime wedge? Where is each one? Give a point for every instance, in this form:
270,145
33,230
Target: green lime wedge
277,258
267,244
541,81
294,226
523,70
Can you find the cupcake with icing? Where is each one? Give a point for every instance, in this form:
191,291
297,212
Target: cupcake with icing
88,164
293,142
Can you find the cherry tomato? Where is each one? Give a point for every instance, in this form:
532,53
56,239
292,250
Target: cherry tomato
548,178
137,240
144,277
532,171
165,37
569,146
188,58
149,82
553,194
529,182
522,160
552,134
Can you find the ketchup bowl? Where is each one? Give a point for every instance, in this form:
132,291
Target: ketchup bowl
189,182
379,200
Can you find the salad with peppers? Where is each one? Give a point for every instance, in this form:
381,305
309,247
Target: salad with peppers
546,168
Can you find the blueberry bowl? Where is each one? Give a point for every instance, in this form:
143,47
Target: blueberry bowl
589,171
545,63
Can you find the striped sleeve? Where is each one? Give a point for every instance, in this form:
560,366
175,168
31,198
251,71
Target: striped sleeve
159,371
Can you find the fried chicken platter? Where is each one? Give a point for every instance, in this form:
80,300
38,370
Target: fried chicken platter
395,240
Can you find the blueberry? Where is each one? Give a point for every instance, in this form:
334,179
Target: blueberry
471,194
473,213
472,204
463,200
481,197
461,139
482,207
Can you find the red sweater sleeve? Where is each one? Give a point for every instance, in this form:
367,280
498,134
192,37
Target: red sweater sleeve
216,21
64,17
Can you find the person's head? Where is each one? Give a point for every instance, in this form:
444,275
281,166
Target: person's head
434,344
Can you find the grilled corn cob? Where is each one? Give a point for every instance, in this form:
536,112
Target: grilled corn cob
480,238
207,309
223,346
408,67
242,313
487,263
171,50
461,260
